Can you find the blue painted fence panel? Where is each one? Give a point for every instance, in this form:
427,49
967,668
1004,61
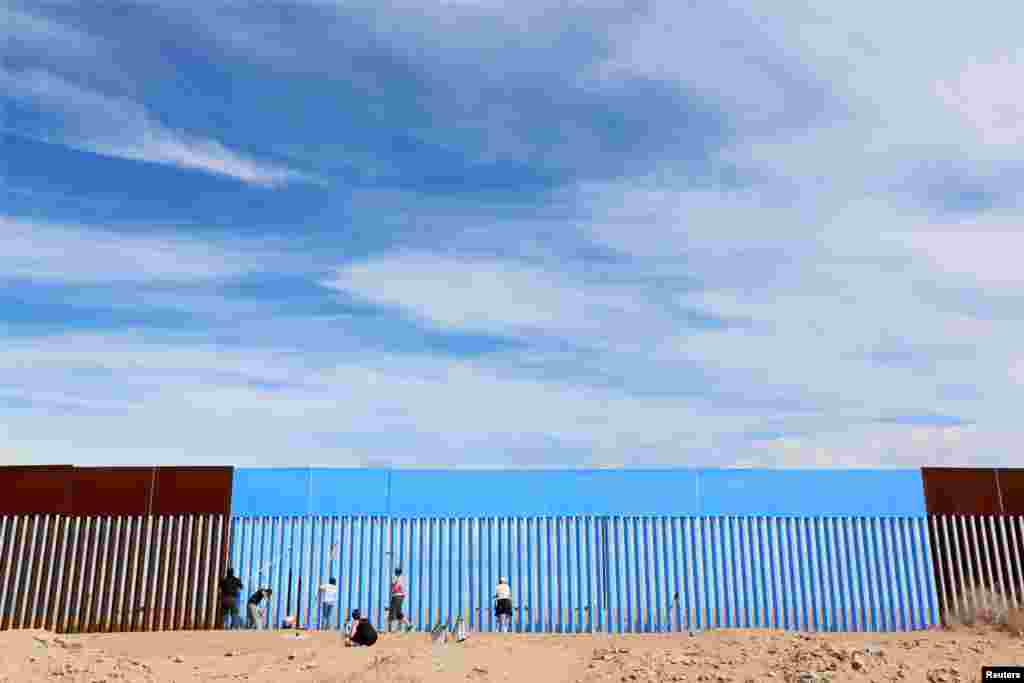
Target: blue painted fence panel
618,574
566,493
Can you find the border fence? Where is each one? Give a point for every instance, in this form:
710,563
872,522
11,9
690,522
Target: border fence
613,574
977,559
626,574
568,574
88,574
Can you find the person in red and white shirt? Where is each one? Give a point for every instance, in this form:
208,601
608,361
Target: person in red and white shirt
397,598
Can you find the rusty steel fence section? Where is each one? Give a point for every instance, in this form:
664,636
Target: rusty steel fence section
611,574
978,563
111,573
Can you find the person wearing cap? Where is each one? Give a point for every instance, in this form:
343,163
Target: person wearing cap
397,598
361,632
503,605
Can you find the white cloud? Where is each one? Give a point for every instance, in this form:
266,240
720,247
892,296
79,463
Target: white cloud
21,30
79,254
502,297
985,95
164,400
119,127
985,250
892,446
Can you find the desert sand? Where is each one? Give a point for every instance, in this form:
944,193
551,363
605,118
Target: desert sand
27,656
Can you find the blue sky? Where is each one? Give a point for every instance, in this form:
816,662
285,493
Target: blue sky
511,234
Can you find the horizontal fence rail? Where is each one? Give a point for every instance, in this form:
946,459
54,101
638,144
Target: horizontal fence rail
977,559
613,574
133,573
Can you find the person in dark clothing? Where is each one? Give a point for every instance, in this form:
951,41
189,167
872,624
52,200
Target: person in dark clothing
257,613
230,588
361,631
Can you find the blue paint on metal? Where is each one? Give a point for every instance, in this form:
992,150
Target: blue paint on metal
924,552
811,492
467,493
784,572
678,565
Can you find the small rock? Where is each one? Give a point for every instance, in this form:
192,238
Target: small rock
177,659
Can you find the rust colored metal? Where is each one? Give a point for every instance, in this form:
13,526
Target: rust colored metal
174,573
153,591
35,490
960,491
131,569
193,491
223,555
976,552
77,574
38,588
193,571
144,560
92,540
59,563
11,584
218,551
115,491
159,589
23,577
120,566
202,558
1011,490
72,553
110,567
96,583
111,490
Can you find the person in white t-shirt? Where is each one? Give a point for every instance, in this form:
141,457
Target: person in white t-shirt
328,599
503,605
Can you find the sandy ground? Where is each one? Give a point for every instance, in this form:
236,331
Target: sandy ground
715,657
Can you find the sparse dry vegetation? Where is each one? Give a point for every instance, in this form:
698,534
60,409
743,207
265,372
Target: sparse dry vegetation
1015,621
983,608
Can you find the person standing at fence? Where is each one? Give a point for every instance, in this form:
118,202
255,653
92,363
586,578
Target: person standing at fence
230,588
503,605
254,607
361,632
328,599
397,598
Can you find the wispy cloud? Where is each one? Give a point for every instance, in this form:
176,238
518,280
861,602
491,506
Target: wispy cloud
118,127
980,94
274,401
498,296
45,252
22,31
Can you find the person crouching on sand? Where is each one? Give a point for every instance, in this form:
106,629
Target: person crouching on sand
361,632
254,606
503,605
